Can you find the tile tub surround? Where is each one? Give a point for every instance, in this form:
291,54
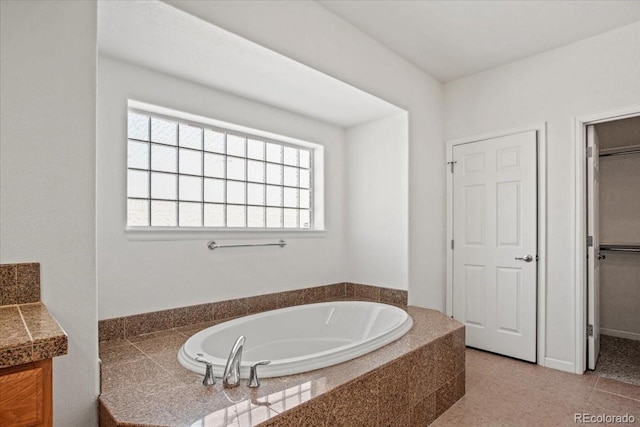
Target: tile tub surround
19,283
145,323
408,382
28,333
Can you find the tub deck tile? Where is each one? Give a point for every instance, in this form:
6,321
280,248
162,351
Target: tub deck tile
193,329
290,298
262,303
184,316
375,389
229,309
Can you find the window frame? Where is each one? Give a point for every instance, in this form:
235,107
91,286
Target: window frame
316,175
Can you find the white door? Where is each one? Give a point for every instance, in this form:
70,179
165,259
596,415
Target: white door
593,250
495,243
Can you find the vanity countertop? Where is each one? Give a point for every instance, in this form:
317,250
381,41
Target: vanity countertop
28,333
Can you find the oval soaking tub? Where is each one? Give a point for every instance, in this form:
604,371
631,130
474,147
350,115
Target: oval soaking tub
299,338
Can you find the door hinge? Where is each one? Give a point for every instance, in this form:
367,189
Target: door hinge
589,240
590,330
589,152
451,163
451,244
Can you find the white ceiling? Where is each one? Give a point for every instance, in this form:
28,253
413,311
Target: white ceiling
453,39
447,39
158,36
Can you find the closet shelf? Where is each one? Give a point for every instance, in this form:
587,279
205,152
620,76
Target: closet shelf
619,248
619,151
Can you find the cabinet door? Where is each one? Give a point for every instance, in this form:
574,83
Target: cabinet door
25,395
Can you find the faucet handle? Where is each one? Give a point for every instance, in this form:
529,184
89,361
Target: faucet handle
254,381
209,379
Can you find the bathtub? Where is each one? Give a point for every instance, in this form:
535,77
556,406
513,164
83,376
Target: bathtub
300,338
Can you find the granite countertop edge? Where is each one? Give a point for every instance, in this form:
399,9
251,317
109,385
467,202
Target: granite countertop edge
29,333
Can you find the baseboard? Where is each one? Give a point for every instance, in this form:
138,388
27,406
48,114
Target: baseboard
561,365
620,334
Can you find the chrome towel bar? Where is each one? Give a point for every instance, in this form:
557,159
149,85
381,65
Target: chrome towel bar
213,245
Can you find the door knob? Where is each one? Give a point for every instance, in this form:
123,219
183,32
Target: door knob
526,258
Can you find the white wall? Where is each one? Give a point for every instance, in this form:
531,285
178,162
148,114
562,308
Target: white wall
377,202
314,36
141,276
592,75
47,178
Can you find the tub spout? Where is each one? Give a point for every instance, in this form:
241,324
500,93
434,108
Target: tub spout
231,376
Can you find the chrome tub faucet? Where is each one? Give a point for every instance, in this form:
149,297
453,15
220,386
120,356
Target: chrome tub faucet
231,376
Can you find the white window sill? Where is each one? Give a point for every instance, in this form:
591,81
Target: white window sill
181,233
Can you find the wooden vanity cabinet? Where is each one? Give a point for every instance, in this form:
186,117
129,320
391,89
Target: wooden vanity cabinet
26,395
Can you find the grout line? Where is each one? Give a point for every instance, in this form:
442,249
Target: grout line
593,388
149,357
24,323
591,393
618,381
120,389
618,394
180,332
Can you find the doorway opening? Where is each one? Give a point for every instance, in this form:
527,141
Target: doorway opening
608,244
613,249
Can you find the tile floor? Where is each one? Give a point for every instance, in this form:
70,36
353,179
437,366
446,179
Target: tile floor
505,392
619,359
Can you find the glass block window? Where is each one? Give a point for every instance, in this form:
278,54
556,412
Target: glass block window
184,174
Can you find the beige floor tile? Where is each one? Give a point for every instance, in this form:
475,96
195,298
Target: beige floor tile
617,387
615,404
501,391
